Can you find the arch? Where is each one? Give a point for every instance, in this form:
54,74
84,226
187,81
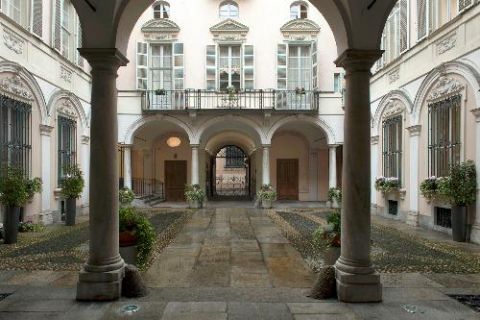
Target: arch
132,129
399,95
331,139
26,78
77,105
462,69
230,120
222,139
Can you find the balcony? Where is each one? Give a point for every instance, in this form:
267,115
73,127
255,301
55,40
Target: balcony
279,100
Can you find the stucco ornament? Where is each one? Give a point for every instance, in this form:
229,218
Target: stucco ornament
444,87
393,108
12,41
14,85
447,43
160,29
66,74
229,30
300,29
66,109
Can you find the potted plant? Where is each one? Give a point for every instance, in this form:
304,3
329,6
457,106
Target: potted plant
328,237
125,197
33,186
13,195
335,197
429,188
72,187
195,196
266,195
136,236
300,90
160,92
387,185
459,189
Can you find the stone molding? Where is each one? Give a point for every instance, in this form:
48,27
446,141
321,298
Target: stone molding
160,29
229,30
415,130
85,139
353,60
374,140
300,29
476,113
45,130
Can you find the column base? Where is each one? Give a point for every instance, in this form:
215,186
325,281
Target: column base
412,218
475,234
100,286
358,288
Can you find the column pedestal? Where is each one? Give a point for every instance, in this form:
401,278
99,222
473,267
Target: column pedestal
357,281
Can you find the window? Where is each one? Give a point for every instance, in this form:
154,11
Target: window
337,82
392,207
299,67
230,67
67,142
443,217
229,9
161,10
161,66
66,35
298,10
444,135
15,10
15,140
66,28
392,147
235,158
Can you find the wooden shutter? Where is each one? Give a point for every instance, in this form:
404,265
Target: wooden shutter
463,4
248,68
314,66
421,18
403,25
56,28
282,58
211,67
79,43
178,66
37,17
142,65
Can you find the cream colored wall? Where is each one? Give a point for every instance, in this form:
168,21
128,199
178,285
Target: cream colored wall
162,152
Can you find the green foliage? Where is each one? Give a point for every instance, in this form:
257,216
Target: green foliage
335,219
137,223
125,197
194,193
72,183
386,185
34,186
267,192
429,188
460,187
31,227
13,187
327,235
335,194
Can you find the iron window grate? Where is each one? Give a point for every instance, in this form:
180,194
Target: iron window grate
392,207
443,217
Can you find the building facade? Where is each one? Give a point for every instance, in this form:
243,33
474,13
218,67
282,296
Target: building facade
213,97
45,98
425,103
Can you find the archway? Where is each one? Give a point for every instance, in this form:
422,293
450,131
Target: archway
230,174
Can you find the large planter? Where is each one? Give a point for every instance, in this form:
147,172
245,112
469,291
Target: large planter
331,255
12,216
71,212
128,247
195,204
267,204
459,223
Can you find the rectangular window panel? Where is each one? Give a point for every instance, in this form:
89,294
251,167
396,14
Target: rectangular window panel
392,147
443,217
67,142
421,18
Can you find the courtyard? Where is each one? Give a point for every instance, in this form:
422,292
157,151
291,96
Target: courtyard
240,263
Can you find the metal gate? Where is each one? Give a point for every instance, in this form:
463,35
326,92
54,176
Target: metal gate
230,174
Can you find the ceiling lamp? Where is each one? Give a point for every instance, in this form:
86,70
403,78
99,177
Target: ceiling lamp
174,142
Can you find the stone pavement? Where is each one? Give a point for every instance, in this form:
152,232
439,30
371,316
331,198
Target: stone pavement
233,264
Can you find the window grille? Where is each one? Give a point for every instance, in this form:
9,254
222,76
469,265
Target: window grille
15,134
67,144
392,207
444,135
392,147
234,157
443,217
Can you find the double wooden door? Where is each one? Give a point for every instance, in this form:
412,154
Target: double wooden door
287,179
175,180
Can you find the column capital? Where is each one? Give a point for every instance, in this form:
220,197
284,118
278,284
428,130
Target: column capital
414,130
334,146
85,139
266,146
125,145
476,113
104,58
194,146
358,60
45,130
374,139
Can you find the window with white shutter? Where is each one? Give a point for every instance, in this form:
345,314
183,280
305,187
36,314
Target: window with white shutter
248,68
404,18
178,66
57,22
422,26
142,65
79,59
211,67
282,58
37,17
17,10
314,65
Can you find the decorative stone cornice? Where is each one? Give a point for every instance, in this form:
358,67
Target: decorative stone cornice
13,85
85,139
300,29
353,60
444,87
374,139
476,113
160,29
45,130
229,30
415,130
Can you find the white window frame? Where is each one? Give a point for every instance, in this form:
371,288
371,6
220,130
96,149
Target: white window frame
299,5
230,4
161,68
230,64
164,7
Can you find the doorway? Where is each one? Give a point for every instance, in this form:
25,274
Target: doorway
287,179
175,180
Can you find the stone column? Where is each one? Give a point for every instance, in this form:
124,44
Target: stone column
101,277
412,217
266,165
357,281
86,168
332,166
195,166
127,166
475,234
45,133
374,168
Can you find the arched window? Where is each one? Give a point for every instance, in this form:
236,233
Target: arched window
161,10
229,9
298,10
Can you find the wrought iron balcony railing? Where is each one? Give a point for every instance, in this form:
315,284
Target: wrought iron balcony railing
284,100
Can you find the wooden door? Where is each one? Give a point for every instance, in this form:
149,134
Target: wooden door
287,179
175,180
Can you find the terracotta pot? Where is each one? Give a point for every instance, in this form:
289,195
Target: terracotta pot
127,239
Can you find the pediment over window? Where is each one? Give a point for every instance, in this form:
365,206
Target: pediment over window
300,29
160,29
393,108
445,86
229,29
